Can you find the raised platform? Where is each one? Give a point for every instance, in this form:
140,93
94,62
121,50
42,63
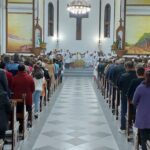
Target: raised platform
81,72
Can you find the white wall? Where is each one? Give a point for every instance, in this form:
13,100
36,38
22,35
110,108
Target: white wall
107,42
67,29
117,16
51,43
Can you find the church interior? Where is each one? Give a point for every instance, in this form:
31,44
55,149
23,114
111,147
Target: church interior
74,75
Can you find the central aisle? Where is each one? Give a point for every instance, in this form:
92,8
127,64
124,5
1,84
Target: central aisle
77,121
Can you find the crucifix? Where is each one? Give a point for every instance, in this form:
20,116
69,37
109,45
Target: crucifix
79,24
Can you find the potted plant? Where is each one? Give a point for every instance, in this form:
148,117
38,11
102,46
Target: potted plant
37,51
117,48
120,52
42,44
114,46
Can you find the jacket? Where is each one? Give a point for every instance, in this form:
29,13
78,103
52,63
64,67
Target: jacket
5,107
23,84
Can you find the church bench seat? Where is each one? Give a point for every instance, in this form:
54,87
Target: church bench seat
22,116
48,89
1,144
13,133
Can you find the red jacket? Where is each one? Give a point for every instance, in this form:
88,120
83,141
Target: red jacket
23,84
9,78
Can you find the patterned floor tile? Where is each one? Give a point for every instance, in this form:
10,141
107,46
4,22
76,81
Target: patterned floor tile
76,141
46,148
77,121
52,133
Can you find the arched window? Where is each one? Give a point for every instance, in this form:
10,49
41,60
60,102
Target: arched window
50,19
107,20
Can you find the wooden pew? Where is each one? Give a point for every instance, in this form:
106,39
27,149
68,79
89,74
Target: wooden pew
117,103
113,98
31,116
22,116
136,139
110,95
104,87
1,144
44,98
48,89
129,120
12,135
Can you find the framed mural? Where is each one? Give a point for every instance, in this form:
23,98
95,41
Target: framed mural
138,34
19,32
20,1
138,2
137,27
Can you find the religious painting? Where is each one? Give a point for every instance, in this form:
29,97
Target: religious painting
138,2
120,40
19,32
137,34
20,1
38,35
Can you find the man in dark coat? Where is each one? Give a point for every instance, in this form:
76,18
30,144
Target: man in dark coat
134,84
9,75
123,84
5,107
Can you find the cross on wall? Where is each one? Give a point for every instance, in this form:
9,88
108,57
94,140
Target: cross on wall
79,24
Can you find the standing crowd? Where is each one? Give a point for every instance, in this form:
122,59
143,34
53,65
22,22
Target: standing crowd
131,77
26,75
89,58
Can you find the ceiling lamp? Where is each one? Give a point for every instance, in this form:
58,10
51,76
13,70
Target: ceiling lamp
79,7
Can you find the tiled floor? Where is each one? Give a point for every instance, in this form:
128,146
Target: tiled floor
77,121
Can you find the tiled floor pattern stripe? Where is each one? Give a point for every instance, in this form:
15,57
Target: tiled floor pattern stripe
77,121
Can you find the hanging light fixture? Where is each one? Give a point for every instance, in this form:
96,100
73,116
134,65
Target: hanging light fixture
79,7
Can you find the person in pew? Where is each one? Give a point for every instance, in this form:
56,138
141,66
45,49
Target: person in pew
13,66
23,83
148,65
134,84
56,69
9,76
28,65
50,67
123,85
60,64
38,76
141,101
5,107
100,69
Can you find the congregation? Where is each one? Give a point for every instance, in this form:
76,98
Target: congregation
32,79
125,84
28,78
